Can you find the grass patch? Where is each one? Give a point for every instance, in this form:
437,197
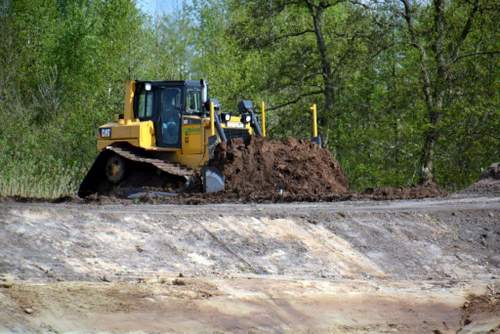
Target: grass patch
39,181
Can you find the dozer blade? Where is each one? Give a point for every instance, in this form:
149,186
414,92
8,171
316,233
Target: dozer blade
213,180
142,172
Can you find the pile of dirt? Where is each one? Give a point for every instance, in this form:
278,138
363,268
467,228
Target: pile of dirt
279,169
480,313
414,192
488,183
492,172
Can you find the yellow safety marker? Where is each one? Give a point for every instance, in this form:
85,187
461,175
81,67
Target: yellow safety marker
212,119
314,110
263,116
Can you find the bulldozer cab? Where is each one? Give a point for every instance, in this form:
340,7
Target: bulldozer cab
165,103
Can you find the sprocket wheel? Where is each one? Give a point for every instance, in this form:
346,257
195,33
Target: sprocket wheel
115,168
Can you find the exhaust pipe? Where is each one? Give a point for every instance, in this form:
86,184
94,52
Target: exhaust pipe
204,91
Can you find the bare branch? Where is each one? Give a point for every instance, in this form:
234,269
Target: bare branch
426,77
382,49
356,34
297,99
409,21
293,34
465,31
473,54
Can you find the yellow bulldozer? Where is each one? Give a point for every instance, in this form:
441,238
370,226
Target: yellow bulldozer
164,139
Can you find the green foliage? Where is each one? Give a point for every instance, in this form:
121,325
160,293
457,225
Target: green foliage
63,68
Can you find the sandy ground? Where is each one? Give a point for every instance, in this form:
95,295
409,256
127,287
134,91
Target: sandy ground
420,266
269,305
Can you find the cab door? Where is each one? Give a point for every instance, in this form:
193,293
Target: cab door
170,116
192,129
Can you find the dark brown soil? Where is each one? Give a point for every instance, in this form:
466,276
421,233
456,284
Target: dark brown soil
480,309
492,172
414,192
488,183
275,169
21,199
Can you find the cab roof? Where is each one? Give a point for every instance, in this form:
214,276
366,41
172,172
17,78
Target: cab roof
190,83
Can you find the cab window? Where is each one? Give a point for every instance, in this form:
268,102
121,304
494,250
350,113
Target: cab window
145,105
193,103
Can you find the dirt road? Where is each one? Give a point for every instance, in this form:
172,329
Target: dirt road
421,266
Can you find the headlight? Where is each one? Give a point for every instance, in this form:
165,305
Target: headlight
226,117
105,132
245,118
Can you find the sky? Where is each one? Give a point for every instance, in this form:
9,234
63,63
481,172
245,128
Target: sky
159,7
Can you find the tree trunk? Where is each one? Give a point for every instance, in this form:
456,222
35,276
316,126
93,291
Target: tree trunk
426,174
326,67
436,91
436,110
426,170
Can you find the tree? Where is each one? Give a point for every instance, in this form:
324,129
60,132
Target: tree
440,47
311,49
